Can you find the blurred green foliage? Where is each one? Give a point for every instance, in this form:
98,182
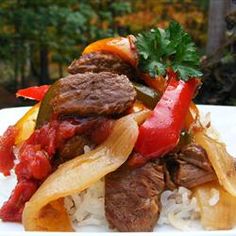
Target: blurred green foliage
34,32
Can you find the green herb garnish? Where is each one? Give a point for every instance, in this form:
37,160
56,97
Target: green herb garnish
172,47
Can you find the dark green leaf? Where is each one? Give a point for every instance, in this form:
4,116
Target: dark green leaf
185,72
172,47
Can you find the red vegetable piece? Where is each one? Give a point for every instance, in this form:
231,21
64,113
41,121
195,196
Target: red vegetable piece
34,163
6,150
35,93
40,166
13,208
160,133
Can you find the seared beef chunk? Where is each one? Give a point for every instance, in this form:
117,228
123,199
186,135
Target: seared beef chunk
91,94
189,175
195,155
190,167
132,197
101,62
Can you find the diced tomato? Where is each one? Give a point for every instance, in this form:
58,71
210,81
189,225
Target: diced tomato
13,208
34,163
46,137
6,150
40,165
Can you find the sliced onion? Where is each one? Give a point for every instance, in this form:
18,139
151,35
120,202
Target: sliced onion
222,162
217,207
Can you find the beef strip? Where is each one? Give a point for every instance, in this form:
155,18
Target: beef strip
101,62
91,94
189,168
132,197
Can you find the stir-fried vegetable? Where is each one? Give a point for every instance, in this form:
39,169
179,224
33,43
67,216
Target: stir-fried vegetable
217,207
158,83
45,111
138,106
160,133
220,159
146,95
191,117
34,93
78,174
26,124
120,46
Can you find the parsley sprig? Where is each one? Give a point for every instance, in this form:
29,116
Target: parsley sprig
172,47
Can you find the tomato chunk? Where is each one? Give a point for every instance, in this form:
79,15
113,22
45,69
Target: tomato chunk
13,208
6,150
34,163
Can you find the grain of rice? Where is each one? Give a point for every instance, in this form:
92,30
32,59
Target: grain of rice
87,149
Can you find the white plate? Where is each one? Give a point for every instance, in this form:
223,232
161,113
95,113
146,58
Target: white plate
223,118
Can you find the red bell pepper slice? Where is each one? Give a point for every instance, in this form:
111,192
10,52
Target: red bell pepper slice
160,133
35,93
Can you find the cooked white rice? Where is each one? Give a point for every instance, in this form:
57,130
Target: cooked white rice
87,149
87,208
179,209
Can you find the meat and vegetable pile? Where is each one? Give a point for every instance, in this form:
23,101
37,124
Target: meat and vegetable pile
125,115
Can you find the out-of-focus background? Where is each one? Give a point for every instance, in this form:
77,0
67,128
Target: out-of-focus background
39,38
